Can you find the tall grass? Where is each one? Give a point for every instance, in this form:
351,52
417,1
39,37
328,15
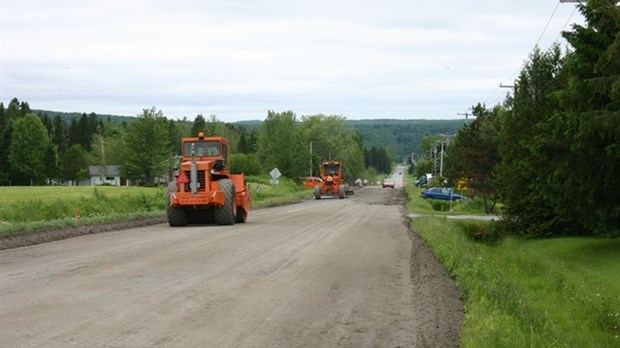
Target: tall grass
36,209
45,207
561,292
265,194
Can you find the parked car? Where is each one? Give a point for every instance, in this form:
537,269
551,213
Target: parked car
423,180
388,183
441,193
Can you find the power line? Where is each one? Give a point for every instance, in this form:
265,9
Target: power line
502,84
548,22
566,24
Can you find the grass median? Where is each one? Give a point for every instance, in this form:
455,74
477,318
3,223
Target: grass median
561,292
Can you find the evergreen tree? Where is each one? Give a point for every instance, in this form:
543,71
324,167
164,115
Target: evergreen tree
244,145
73,163
199,125
51,163
59,135
524,170
5,140
590,170
74,133
473,154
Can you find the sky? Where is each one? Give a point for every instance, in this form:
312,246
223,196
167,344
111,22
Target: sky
237,59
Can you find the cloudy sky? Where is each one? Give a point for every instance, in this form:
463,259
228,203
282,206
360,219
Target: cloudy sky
404,59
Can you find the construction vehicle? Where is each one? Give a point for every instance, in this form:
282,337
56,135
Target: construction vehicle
203,189
332,183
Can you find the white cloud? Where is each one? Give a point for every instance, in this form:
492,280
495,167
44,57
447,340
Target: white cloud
240,58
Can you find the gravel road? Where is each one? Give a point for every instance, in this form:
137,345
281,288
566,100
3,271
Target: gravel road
328,273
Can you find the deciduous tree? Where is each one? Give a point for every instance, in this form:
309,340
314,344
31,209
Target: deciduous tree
147,147
29,145
281,144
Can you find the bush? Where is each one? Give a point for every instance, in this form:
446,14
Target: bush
481,231
244,163
439,205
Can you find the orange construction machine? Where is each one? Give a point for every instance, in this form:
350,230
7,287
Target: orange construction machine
332,183
203,189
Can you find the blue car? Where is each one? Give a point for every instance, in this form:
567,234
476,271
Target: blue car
441,193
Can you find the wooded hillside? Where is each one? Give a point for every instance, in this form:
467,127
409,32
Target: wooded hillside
401,137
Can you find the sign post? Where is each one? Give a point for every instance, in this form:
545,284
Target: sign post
275,174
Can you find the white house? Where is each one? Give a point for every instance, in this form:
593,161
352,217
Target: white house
105,175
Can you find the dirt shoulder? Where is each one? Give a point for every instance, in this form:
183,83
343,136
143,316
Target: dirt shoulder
17,240
435,295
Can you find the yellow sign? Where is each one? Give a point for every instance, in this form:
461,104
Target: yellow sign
462,184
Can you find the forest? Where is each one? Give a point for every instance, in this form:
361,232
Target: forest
43,147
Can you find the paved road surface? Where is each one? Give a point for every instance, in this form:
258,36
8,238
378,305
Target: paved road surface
328,273
399,176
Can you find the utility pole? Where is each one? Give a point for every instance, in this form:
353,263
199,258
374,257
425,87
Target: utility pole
501,85
434,158
310,158
441,160
466,114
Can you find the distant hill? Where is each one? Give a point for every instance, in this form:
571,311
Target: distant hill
69,116
402,137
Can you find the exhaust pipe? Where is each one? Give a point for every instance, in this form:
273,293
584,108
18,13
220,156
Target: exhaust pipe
193,177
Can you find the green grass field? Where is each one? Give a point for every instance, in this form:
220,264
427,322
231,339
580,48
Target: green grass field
562,292
28,208
12,194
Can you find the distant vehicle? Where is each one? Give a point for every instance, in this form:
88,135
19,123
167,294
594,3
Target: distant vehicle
441,193
388,183
332,182
423,180
312,181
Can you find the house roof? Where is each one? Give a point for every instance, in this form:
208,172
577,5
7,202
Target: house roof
104,170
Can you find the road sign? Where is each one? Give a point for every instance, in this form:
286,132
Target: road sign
275,173
462,184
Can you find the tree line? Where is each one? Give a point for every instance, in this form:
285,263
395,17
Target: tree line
550,153
38,149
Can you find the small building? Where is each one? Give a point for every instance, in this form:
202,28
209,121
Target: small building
105,175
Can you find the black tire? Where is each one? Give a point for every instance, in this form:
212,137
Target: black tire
200,216
242,215
341,192
176,216
317,192
227,214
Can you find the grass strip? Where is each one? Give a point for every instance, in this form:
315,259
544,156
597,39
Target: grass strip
562,292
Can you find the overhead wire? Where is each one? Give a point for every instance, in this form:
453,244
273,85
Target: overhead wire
566,24
557,5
